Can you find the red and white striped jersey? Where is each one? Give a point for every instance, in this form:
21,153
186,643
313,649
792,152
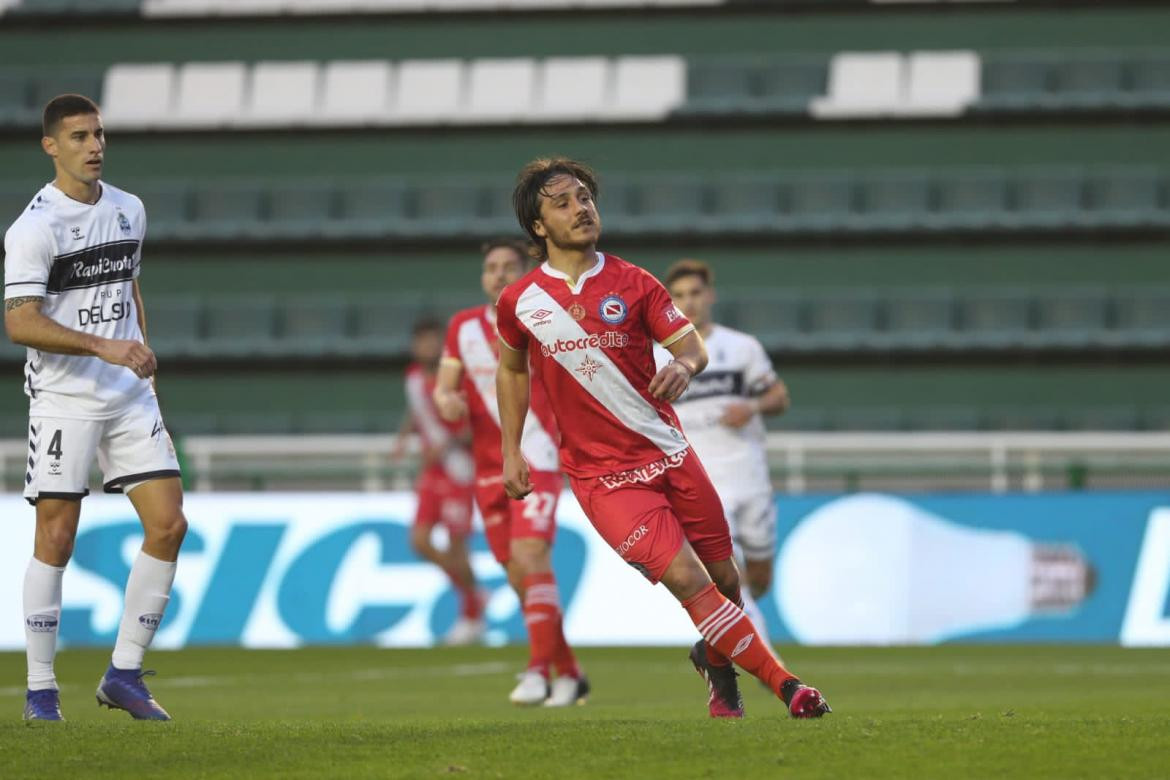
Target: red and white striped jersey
472,342
434,431
591,350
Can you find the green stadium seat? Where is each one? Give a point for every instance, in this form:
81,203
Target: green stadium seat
239,327
224,211
841,322
445,209
747,205
51,83
618,202
298,210
775,319
970,200
16,108
863,418
1053,200
1089,83
669,205
174,325
1093,417
1016,83
1127,199
370,210
995,320
895,203
313,326
381,326
1142,319
1072,318
498,217
788,86
919,320
819,204
719,87
804,418
168,209
1023,418
337,422
1149,83
254,423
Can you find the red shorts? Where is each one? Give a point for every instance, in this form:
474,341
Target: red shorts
504,519
442,500
645,513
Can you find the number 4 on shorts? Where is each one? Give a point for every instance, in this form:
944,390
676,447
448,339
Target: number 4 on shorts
55,445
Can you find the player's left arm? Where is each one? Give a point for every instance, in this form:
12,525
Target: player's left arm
140,311
689,357
512,391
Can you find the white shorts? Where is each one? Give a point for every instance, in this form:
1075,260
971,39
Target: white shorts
131,449
753,525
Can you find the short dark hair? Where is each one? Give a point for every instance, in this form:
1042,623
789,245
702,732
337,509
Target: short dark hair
688,267
521,246
427,323
64,106
530,184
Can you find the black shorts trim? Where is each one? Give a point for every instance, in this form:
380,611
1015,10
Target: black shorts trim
115,485
62,496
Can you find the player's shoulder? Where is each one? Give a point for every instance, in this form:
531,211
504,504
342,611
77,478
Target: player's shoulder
733,338
470,313
35,221
121,198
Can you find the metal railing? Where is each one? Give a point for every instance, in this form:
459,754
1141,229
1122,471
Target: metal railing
800,462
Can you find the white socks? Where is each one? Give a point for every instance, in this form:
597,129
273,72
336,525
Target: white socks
42,615
147,592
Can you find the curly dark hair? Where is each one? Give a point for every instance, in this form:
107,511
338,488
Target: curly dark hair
530,184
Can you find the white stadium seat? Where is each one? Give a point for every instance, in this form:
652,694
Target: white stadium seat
647,87
863,84
572,88
942,83
500,90
355,92
283,93
429,91
138,95
210,94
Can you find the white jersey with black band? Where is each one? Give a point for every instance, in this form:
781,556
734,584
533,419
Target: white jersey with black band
82,260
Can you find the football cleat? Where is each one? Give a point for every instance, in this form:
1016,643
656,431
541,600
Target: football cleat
43,705
123,689
532,688
803,701
724,700
465,631
566,691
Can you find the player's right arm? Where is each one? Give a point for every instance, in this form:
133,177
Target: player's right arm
449,399
512,395
28,257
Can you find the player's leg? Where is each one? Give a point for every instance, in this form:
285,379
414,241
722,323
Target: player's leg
455,511
60,454
138,459
433,508
716,608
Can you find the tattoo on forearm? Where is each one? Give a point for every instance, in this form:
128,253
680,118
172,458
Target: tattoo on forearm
15,303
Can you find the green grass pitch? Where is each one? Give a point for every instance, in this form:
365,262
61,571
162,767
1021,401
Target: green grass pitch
953,711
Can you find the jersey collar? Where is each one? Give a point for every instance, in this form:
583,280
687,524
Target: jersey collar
564,277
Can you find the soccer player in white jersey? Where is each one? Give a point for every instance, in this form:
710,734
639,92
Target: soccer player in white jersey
71,296
721,416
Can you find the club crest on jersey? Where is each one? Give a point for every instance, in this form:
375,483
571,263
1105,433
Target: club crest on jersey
613,309
577,312
123,223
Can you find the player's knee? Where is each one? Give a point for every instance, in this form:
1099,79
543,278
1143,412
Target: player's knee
168,531
54,544
529,556
727,581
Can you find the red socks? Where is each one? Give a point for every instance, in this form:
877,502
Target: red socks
731,635
542,616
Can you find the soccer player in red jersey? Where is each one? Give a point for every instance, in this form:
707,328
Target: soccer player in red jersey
587,323
444,486
520,534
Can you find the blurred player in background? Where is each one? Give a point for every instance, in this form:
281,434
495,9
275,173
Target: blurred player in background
444,485
520,534
721,416
589,321
72,297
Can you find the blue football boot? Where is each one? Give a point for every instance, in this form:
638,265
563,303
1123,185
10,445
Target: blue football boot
43,705
123,689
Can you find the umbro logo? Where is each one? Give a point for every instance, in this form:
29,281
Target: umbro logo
540,317
742,645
